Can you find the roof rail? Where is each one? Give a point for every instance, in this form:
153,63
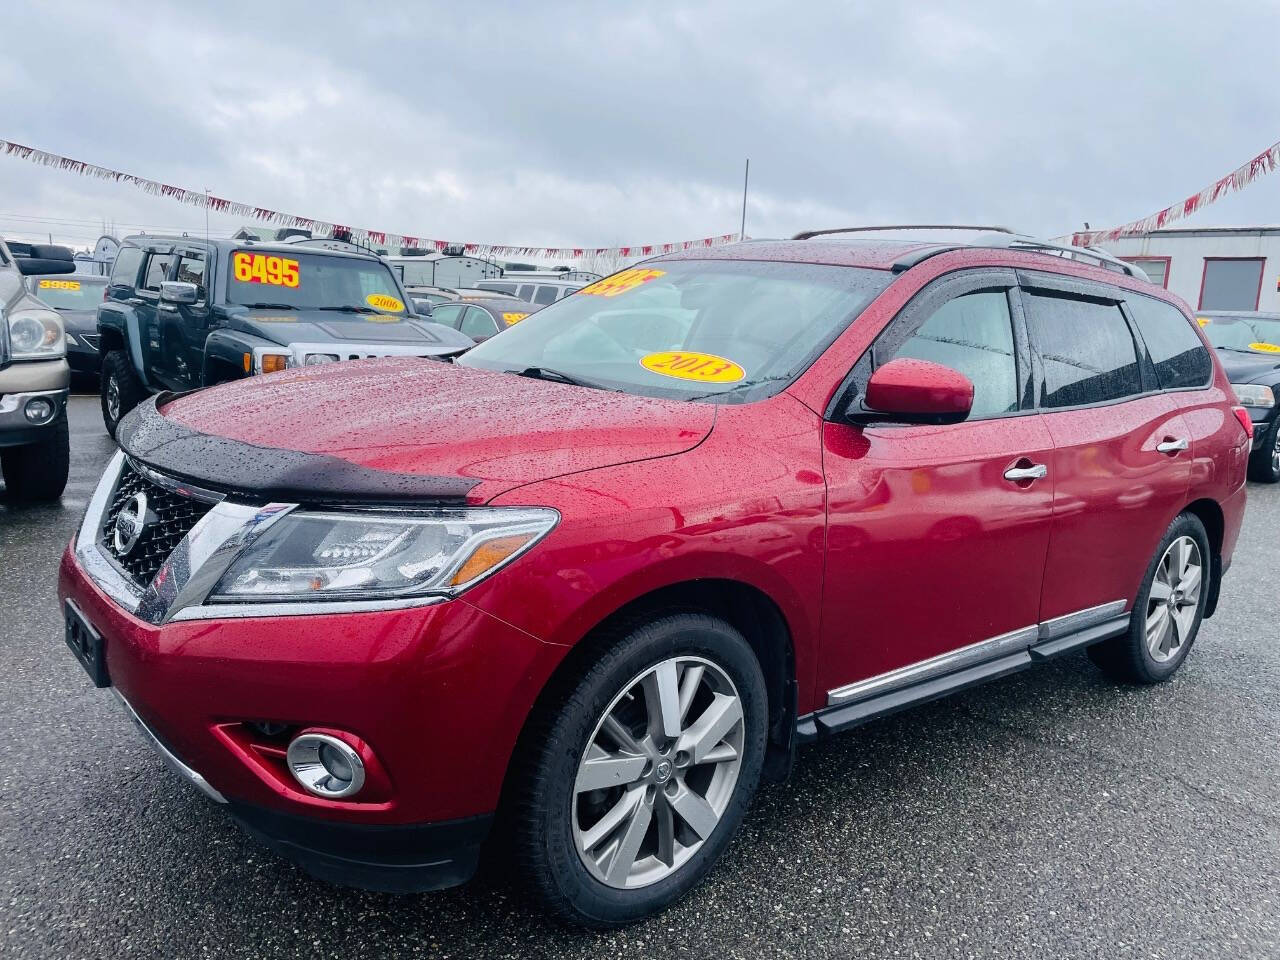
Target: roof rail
1015,241
809,234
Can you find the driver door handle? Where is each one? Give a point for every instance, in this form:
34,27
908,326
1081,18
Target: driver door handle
1173,446
1036,471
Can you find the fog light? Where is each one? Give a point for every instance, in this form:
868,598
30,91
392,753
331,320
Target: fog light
325,766
40,410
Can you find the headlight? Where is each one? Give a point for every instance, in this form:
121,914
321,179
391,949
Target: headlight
314,358
1254,394
36,337
363,556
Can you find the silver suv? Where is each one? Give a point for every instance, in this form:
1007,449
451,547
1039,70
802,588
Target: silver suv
34,376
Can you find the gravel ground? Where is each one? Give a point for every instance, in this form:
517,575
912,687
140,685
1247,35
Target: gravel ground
1050,814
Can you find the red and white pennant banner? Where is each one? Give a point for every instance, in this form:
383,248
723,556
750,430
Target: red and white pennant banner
380,238
1265,162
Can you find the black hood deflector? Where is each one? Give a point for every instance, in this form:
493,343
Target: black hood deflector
270,473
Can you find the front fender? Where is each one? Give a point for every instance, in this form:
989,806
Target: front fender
230,346
116,318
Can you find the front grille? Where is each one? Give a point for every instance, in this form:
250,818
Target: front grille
170,515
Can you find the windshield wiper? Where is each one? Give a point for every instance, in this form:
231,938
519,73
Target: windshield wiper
556,376
271,306
740,388
351,309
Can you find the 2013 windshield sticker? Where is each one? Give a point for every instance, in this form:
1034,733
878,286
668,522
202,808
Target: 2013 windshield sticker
59,284
263,268
622,282
1265,347
699,367
380,301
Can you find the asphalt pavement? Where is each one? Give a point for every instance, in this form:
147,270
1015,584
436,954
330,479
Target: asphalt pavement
1050,814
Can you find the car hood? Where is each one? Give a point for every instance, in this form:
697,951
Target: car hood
404,427
287,327
1246,367
79,321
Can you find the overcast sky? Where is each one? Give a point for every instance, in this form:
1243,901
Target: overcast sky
594,124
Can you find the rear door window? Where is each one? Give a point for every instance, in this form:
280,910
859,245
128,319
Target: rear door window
973,334
125,271
1086,350
546,295
1180,358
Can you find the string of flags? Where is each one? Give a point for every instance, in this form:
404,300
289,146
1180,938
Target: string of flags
375,238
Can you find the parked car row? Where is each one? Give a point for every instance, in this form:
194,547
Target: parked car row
599,577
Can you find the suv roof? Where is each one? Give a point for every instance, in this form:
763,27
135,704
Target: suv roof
885,253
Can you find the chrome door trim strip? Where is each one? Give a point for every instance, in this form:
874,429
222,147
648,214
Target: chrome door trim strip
976,653
1081,619
947,662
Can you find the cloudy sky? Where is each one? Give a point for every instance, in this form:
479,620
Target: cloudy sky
592,124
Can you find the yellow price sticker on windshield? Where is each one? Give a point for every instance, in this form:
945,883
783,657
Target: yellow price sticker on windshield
383,318
381,301
1265,347
512,318
262,268
701,367
1203,321
621,282
59,284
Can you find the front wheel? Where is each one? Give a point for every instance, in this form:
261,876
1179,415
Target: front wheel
1166,616
38,471
640,773
122,389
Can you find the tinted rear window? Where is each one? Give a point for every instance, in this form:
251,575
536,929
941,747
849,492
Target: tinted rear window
1087,350
1180,358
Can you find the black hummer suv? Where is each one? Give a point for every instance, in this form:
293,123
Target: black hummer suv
181,313
34,377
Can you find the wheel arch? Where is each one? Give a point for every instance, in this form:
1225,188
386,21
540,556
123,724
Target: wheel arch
1210,514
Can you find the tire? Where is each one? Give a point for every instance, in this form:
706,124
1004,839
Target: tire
655,784
1137,656
38,471
1264,465
120,391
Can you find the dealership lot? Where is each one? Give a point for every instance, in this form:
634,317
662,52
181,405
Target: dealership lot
1052,813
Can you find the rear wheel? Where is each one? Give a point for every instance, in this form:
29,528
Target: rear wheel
1264,464
1168,611
38,471
121,389
638,778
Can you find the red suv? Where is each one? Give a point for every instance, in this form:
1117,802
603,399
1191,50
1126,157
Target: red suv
601,575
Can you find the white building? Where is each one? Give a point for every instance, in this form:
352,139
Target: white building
1212,268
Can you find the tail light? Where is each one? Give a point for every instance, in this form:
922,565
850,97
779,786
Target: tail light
1246,423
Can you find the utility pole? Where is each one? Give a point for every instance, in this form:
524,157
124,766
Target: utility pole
746,175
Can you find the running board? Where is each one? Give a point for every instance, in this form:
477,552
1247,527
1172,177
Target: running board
1054,639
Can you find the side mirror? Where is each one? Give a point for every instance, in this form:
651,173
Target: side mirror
421,306
44,258
178,291
919,391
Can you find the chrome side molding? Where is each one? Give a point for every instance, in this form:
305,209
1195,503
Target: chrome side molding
983,651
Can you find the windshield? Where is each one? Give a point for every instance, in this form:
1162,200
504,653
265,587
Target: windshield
73,293
689,329
1251,335
313,281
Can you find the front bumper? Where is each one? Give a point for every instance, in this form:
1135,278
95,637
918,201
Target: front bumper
437,691
15,428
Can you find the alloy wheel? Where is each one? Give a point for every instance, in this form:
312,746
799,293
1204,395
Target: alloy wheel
658,772
1275,455
113,398
1174,599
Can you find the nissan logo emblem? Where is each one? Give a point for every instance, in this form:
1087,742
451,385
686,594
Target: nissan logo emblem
131,521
